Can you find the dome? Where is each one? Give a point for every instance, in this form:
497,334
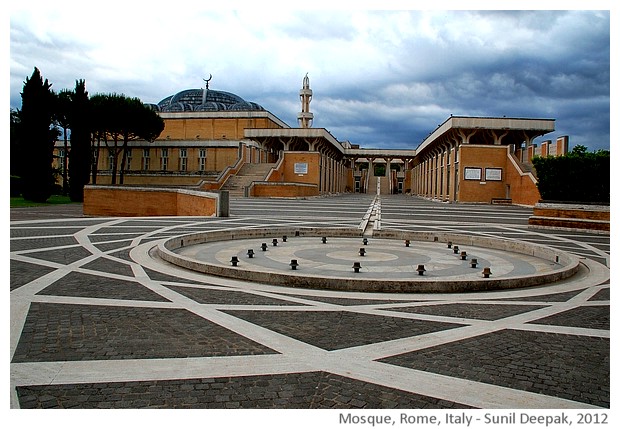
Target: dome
212,101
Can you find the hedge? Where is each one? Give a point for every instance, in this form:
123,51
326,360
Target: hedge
576,177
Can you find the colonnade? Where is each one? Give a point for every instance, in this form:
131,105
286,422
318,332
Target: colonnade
332,175
436,174
395,182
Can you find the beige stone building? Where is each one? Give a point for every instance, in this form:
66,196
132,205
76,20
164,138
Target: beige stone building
215,140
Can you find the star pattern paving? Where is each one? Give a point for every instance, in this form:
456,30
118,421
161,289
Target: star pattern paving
97,321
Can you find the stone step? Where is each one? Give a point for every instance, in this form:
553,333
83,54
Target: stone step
236,185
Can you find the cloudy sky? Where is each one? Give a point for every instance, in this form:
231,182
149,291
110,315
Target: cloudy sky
381,78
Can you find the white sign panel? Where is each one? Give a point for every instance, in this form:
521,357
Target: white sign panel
473,173
493,174
301,168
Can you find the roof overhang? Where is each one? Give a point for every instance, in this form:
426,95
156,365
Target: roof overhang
381,153
456,126
309,134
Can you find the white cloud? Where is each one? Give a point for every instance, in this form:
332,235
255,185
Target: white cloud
371,70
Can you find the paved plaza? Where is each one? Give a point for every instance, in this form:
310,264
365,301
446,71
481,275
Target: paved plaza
99,321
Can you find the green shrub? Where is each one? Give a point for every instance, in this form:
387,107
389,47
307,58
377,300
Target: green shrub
579,176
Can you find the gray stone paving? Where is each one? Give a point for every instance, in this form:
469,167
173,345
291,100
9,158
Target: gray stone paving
97,322
305,390
470,311
333,330
67,332
574,368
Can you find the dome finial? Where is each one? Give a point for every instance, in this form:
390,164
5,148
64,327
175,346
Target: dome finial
204,91
207,81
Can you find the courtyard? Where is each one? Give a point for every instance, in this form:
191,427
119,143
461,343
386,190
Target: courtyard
98,321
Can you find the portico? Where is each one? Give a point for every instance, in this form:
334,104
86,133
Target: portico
305,155
473,159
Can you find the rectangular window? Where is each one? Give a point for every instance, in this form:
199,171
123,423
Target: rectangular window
202,159
164,159
61,160
146,160
183,159
110,159
128,160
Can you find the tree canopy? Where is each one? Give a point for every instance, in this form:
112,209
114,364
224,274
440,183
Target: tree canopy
114,119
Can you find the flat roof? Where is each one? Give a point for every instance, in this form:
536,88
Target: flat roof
294,132
537,125
227,114
381,153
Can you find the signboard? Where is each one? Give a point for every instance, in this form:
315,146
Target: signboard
473,173
493,174
301,168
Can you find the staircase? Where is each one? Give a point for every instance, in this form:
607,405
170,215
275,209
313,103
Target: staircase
236,185
378,183
525,167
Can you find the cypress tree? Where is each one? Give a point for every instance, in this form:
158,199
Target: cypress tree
37,137
80,156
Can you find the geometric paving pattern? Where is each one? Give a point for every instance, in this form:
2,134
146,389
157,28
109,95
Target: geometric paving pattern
98,322
575,368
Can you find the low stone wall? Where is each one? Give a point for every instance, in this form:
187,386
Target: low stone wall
571,216
283,189
142,201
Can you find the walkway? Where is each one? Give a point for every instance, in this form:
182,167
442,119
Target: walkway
98,323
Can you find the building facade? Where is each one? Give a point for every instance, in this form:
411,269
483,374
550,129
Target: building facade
215,140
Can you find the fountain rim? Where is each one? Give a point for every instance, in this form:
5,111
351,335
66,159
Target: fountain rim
568,264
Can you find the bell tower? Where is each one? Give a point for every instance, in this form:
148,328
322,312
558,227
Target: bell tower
305,116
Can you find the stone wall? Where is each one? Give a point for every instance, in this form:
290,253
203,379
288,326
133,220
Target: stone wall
283,190
140,201
571,216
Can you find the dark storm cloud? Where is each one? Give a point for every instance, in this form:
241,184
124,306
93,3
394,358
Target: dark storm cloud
559,70
380,78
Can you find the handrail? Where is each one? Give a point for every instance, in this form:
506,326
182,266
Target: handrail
228,171
274,168
517,165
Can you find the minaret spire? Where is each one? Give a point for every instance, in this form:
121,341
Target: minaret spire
305,117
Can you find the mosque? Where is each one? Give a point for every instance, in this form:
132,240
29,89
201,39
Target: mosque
215,140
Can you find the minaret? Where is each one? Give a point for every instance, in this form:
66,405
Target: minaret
305,116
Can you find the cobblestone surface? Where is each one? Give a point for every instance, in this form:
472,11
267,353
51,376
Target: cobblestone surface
470,311
592,317
333,330
556,297
298,391
351,301
58,332
109,266
87,285
602,295
214,296
23,272
88,331
67,255
570,367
